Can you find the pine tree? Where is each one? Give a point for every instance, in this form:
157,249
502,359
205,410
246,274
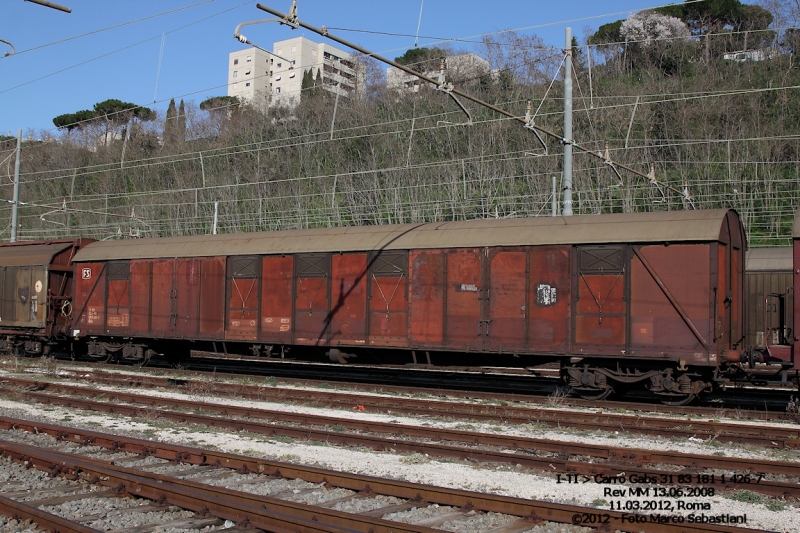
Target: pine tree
171,124
181,133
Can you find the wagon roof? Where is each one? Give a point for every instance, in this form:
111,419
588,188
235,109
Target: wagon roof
672,226
23,254
769,259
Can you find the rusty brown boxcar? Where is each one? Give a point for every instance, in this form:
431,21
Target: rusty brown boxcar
618,299
36,291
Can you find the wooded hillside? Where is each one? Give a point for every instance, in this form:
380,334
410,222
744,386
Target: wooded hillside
723,130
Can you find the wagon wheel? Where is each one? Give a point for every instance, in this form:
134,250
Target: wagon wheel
595,394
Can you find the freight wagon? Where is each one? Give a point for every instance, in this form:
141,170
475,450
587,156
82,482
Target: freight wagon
618,299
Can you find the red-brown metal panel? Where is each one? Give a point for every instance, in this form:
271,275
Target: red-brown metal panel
276,299
140,297
722,330
549,299
162,313
187,298
427,298
795,336
507,293
656,322
464,327
90,299
212,297
311,305
348,299
118,303
600,312
388,308
242,304
736,307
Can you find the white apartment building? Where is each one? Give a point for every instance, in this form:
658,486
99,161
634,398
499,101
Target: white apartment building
339,72
266,80
248,76
459,68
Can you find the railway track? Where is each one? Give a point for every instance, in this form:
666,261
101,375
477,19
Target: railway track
766,395
274,496
771,436
775,478
757,410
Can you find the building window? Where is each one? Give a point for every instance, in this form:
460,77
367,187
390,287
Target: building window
291,75
247,72
247,84
314,52
280,51
249,58
278,78
235,61
294,49
294,61
235,85
235,73
278,90
279,65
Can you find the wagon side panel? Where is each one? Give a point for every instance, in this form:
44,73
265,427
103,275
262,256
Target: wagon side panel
212,298
141,287
187,298
90,298
670,291
549,299
162,311
312,299
244,274
506,297
427,294
118,300
276,299
388,298
348,299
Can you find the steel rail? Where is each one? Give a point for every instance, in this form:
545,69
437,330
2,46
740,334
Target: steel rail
530,510
628,461
271,514
44,520
294,22
711,412
768,436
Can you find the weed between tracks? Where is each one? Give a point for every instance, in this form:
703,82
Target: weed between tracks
793,409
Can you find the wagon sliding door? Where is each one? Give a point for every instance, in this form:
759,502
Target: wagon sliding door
600,309
312,294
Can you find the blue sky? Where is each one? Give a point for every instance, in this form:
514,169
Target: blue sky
123,62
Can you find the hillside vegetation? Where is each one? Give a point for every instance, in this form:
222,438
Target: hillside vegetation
723,130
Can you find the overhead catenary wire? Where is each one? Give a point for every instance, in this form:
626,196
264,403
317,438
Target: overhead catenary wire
107,28
294,22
